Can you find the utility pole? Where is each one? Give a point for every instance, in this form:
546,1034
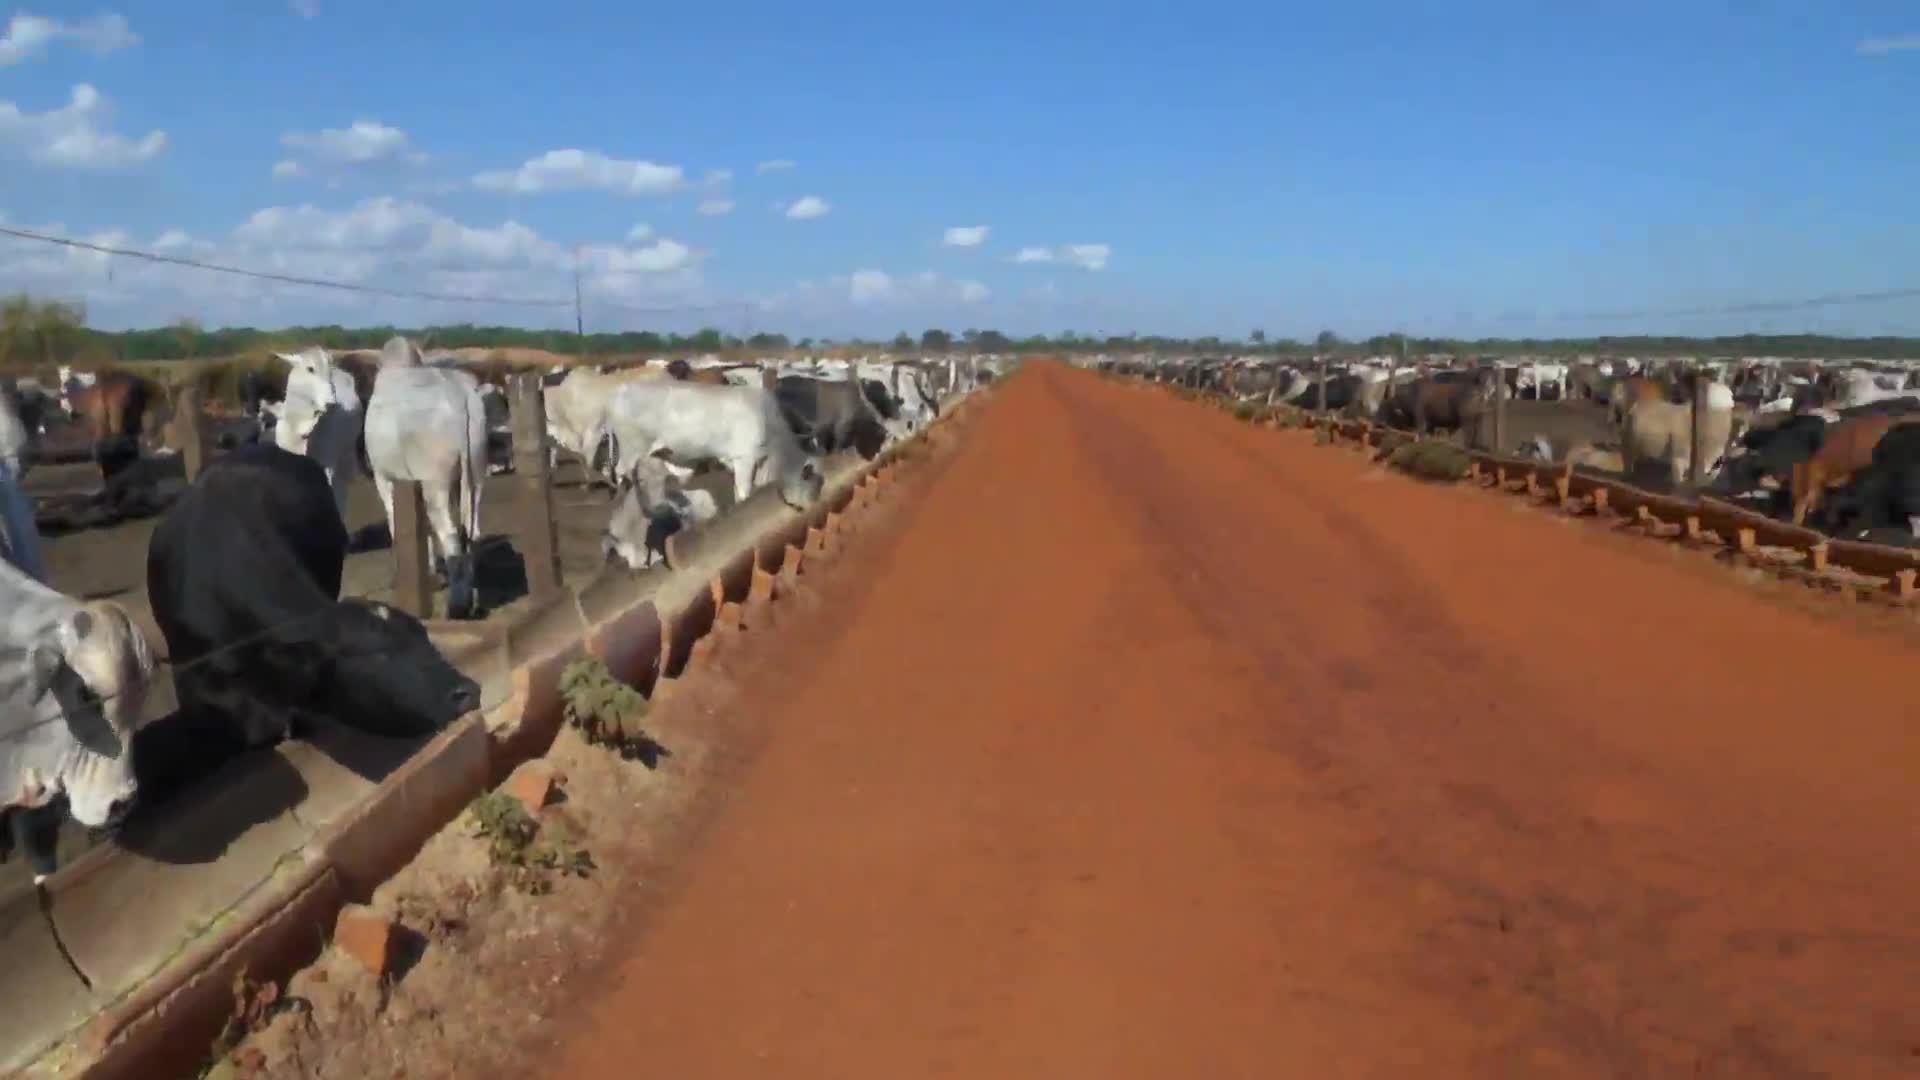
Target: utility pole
579,320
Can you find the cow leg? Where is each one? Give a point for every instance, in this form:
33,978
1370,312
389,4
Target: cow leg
454,554
35,832
383,486
742,470
1913,523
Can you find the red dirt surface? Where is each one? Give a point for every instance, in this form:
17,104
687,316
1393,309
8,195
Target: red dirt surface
1145,743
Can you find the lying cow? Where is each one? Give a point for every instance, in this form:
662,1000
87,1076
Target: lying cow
829,416
73,679
429,424
740,427
652,506
244,575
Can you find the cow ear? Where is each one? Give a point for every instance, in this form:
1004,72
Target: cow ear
289,359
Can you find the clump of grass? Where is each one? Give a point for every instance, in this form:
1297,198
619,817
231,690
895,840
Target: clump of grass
606,711
514,845
1431,461
1246,410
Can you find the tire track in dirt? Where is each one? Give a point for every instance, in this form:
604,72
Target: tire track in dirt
1153,744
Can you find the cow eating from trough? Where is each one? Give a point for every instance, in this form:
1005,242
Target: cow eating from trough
244,576
73,680
651,506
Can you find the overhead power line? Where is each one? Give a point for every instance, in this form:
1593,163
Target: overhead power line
288,279
1756,307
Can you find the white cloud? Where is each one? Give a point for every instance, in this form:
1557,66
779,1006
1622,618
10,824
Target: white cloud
867,286
807,207
306,9
776,165
1885,45
871,288
172,238
965,236
640,231
71,136
392,229
28,36
1086,256
583,170
719,177
377,242
364,142
1083,256
659,257
288,170
715,207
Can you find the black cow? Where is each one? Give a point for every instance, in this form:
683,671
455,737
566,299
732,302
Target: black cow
830,416
244,574
1774,451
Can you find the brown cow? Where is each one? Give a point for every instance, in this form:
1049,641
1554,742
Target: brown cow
1847,448
1630,391
114,412
685,372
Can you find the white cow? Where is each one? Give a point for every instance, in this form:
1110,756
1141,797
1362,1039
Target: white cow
1859,386
576,415
429,424
738,426
321,418
73,679
19,535
652,507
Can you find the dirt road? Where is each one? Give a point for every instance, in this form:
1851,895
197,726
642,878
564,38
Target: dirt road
1144,743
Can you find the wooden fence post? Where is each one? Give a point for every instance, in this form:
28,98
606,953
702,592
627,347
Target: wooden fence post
534,531
190,431
412,576
1697,463
1500,409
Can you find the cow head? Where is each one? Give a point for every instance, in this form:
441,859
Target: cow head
399,352
309,381
801,488
95,666
382,673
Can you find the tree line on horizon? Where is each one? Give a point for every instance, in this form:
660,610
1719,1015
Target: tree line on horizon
43,332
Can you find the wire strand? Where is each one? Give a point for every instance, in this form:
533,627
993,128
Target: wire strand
288,279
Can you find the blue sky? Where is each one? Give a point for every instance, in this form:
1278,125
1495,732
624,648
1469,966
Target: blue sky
1470,168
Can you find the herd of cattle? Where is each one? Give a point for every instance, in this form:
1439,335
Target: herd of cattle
1827,444
244,568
